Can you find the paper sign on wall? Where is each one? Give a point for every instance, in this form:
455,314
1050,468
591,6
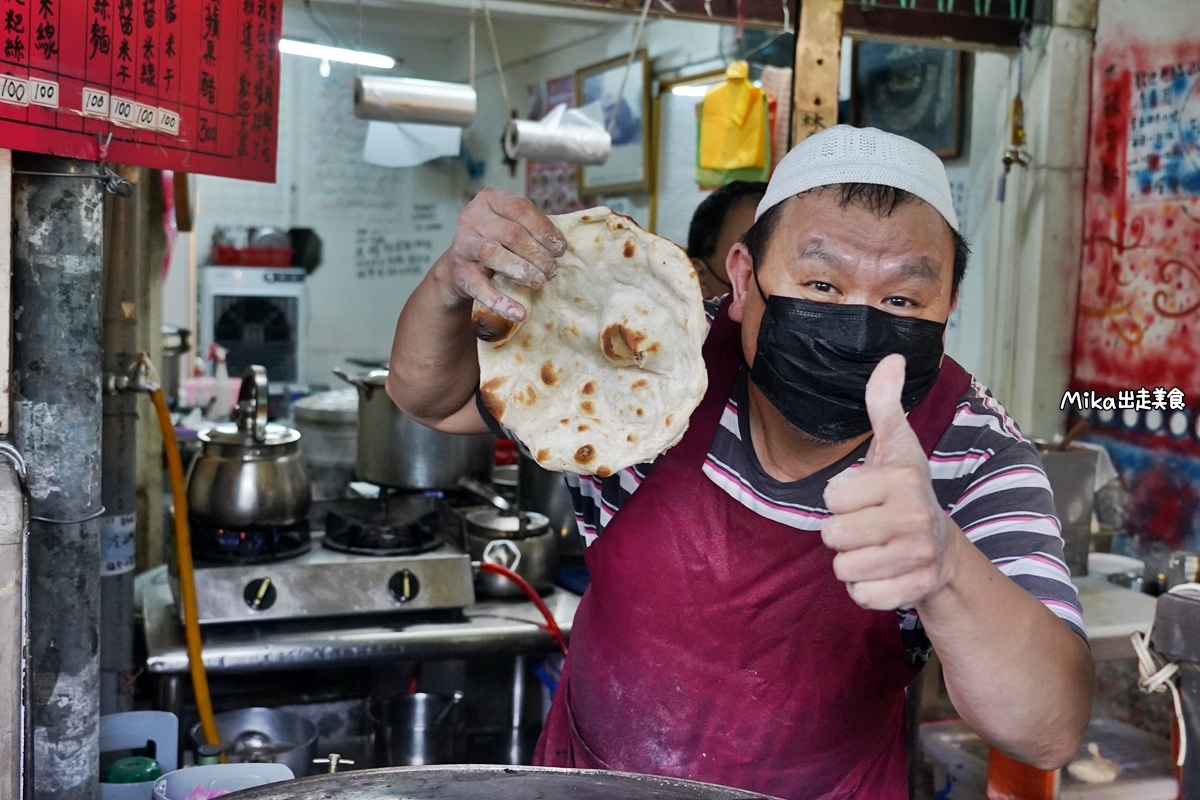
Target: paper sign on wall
189,85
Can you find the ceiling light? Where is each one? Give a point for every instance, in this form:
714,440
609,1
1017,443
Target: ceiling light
321,51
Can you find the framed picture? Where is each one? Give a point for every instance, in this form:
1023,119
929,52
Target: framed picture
628,167
910,90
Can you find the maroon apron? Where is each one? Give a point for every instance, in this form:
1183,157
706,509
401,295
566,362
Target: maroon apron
717,645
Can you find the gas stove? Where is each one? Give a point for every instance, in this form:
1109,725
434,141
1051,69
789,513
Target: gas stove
398,554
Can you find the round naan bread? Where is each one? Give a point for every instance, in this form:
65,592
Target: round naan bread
606,368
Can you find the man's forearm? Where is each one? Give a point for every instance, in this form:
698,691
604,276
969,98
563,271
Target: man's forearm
434,365
1016,673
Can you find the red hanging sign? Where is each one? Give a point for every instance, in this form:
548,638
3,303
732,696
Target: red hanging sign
188,85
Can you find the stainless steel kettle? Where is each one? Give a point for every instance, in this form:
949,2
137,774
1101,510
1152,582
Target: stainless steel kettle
249,472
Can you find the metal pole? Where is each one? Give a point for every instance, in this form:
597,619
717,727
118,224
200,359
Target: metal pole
56,408
118,527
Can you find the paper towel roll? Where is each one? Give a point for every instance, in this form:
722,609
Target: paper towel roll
562,135
386,99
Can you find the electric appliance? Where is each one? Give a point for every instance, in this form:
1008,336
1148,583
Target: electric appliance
259,315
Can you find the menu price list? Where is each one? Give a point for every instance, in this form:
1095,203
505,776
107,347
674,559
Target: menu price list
188,85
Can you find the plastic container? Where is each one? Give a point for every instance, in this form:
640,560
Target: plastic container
179,784
226,256
198,392
133,730
959,759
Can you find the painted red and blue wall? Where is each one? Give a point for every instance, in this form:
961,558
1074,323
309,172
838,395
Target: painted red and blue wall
1139,304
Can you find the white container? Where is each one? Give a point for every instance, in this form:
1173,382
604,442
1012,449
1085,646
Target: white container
179,784
1111,563
959,759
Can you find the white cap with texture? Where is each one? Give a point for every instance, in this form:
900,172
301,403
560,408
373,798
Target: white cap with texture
844,154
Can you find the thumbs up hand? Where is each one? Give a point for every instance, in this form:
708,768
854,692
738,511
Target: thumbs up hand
891,535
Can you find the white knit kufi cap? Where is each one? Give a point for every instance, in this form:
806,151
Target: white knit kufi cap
844,154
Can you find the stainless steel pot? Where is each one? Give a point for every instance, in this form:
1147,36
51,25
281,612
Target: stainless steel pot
1072,476
396,451
265,735
175,345
524,543
1182,567
546,492
249,473
328,425
413,730
499,782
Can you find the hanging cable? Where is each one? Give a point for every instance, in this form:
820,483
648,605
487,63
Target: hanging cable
637,41
487,16
312,14
471,39
358,13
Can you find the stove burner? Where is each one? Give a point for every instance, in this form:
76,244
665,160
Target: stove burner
253,545
373,535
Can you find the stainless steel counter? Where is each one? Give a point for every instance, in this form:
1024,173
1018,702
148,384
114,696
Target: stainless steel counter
491,627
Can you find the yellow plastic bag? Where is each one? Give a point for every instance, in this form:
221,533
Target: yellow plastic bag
713,178
732,122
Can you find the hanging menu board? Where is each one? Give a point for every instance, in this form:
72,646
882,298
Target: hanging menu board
189,85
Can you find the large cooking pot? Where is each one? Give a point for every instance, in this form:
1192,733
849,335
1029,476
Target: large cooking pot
249,473
396,451
488,782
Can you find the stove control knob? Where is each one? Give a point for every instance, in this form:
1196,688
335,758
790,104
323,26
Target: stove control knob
404,586
260,594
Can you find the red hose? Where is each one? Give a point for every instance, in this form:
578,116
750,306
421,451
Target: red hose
551,626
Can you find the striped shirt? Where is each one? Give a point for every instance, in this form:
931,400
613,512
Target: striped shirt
985,474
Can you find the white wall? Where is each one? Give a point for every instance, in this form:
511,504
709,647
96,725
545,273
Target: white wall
973,180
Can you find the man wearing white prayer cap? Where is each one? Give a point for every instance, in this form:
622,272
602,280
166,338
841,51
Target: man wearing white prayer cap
846,499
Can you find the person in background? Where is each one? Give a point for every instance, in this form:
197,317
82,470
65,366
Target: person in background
720,222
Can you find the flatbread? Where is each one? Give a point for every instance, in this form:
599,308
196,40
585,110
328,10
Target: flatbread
606,369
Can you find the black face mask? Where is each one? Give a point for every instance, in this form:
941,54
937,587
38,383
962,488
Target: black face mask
814,360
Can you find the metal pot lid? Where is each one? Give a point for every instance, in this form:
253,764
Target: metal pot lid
229,433
376,377
486,782
338,406
507,524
